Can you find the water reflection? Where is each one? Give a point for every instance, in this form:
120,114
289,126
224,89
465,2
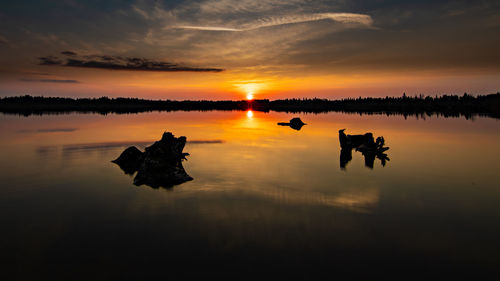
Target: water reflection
101,146
366,145
266,196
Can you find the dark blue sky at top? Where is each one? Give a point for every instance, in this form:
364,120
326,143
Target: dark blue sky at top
107,20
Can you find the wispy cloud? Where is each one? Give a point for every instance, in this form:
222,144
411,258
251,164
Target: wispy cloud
68,53
70,81
209,28
49,130
204,141
245,6
57,130
3,40
119,63
50,60
345,18
140,12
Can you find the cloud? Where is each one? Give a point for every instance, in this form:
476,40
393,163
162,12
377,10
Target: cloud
49,130
120,63
345,18
35,73
204,141
57,130
209,28
245,6
50,60
265,39
50,80
140,11
68,53
3,40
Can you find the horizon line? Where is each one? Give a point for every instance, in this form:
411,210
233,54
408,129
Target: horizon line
264,99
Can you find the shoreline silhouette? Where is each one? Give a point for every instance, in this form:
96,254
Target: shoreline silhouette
445,105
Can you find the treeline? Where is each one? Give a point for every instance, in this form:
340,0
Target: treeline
28,105
446,105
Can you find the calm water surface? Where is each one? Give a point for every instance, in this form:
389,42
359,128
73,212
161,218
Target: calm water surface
265,199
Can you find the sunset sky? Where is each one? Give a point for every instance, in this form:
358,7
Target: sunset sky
227,49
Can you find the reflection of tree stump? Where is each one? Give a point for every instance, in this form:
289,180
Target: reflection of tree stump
159,165
345,157
366,145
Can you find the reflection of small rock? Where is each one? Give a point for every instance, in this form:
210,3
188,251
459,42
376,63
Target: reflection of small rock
295,123
159,165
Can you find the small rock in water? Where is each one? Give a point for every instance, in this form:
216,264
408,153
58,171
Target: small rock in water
295,123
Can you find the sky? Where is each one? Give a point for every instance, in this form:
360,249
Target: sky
228,49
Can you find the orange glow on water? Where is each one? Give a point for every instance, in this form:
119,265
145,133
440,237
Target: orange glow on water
249,114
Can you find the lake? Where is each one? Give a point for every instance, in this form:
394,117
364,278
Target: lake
265,200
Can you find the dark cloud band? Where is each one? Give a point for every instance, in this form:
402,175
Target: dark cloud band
50,60
68,53
119,63
50,80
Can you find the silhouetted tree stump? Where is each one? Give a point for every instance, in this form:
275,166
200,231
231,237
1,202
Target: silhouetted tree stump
366,145
130,160
159,165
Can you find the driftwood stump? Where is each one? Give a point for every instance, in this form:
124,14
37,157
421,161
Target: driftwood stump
365,144
159,165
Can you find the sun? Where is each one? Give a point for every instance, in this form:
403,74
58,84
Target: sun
250,96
